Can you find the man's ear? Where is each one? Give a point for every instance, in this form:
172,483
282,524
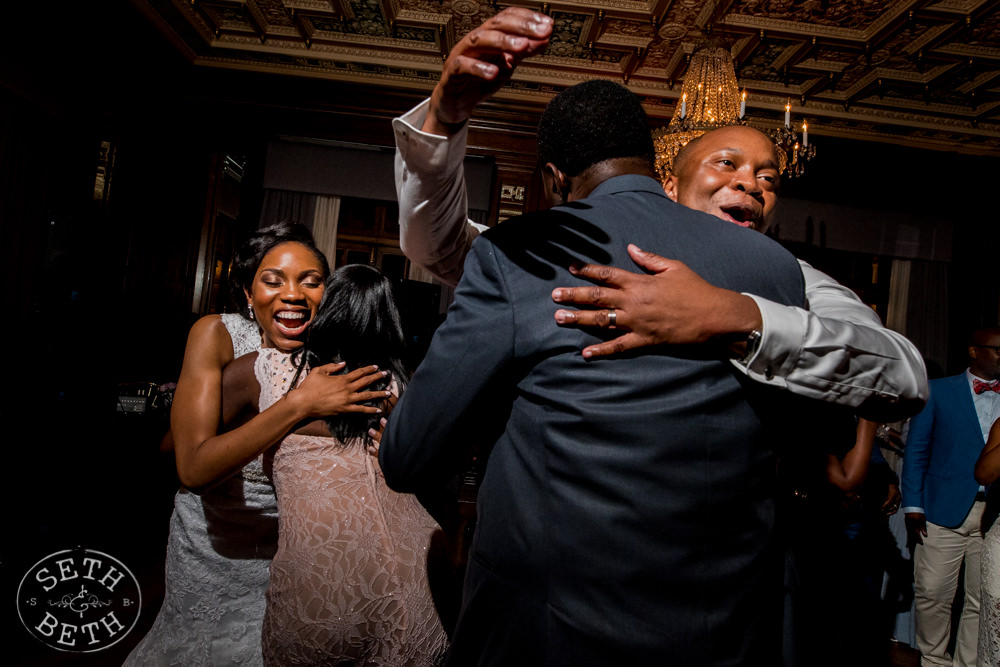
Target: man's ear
556,184
670,187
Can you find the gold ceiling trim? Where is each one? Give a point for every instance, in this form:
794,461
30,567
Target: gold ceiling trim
938,64
785,27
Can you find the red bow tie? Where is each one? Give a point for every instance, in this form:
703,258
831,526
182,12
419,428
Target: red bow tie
979,386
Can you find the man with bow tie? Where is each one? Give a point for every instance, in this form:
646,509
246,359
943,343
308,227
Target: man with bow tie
943,503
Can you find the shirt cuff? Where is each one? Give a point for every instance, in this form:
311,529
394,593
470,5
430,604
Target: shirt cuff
912,510
782,331
422,148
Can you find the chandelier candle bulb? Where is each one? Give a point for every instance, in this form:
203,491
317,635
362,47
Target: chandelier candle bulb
743,105
684,105
805,134
788,115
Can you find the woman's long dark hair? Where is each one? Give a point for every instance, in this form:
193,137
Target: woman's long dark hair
358,323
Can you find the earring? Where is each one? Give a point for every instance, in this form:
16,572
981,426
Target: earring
250,309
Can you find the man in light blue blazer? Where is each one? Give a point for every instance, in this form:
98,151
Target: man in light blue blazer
943,503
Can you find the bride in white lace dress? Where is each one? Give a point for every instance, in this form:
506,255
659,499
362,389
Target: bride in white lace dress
987,472
223,536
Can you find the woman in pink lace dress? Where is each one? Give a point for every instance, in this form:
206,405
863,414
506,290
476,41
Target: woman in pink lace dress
349,579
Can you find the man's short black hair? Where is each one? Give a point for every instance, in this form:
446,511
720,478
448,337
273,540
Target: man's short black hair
980,334
592,122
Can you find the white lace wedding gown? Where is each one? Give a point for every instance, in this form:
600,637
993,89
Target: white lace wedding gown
218,558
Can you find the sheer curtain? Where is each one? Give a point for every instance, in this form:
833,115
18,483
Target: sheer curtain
918,307
319,213
899,295
325,217
286,205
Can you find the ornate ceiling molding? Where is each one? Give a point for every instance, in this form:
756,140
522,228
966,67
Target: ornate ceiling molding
886,70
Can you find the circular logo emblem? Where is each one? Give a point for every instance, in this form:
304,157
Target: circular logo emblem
79,600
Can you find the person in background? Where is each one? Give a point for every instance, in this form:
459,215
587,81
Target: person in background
833,504
223,530
943,503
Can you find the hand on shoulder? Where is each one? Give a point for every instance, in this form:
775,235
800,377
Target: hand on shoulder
670,305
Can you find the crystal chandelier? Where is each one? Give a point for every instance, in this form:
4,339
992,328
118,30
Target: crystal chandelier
710,99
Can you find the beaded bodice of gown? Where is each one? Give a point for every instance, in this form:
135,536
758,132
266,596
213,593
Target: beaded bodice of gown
349,580
217,567
243,332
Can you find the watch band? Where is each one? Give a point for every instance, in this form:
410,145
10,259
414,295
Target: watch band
753,344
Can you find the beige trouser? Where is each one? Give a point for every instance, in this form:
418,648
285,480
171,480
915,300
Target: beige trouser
936,565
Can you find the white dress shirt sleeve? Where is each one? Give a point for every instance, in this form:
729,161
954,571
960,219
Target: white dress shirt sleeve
837,351
434,230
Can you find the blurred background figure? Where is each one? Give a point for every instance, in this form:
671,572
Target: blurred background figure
943,503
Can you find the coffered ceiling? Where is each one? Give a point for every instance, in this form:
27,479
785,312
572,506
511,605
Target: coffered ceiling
918,72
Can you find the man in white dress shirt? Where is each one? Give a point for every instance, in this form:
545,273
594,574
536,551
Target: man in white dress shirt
837,350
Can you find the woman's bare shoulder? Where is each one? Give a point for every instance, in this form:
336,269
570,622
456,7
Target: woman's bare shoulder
207,327
210,338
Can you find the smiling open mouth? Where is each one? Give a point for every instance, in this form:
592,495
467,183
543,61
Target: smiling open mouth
292,322
741,215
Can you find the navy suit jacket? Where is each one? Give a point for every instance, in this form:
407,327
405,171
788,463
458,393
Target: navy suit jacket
625,513
942,447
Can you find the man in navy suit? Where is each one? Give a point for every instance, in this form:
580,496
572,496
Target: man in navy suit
625,513
943,503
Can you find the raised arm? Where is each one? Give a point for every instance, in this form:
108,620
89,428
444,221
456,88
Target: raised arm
836,351
205,457
988,465
435,231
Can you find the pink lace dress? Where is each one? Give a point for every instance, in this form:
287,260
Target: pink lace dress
349,579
